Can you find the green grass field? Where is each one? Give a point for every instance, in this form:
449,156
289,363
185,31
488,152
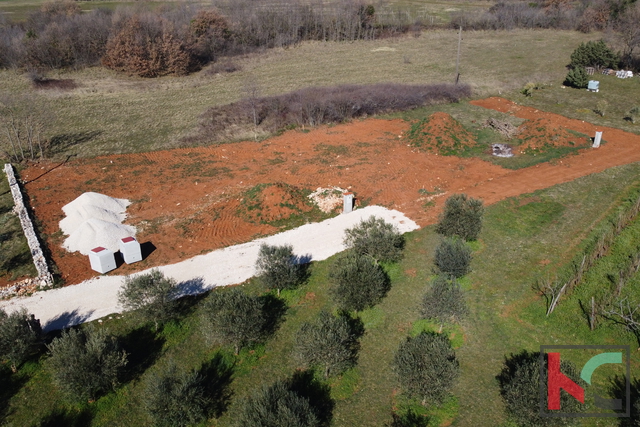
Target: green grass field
523,239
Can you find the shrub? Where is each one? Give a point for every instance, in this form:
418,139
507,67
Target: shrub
376,238
453,257
519,383
359,282
299,401
577,78
175,398
233,318
152,295
85,362
601,107
443,301
462,217
427,367
633,114
593,54
278,268
19,336
329,342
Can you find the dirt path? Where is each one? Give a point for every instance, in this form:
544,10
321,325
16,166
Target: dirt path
190,201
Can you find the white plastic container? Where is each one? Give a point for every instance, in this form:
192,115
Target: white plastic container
130,249
102,260
347,202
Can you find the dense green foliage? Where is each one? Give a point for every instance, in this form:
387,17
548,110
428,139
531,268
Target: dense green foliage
462,217
330,342
298,401
278,268
359,281
86,362
376,238
151,295
233,318
19,336
594,54
444,300
453,257
175,397
577,78
520,388
427,367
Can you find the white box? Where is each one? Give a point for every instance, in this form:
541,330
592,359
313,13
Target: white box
102,260
347,202
130,249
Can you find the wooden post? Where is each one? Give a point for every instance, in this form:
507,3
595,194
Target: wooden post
458,57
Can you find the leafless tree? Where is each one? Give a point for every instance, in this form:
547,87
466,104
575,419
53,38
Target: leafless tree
22,125
627,32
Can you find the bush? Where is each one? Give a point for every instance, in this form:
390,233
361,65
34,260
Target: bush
453,257
519,383
359,282
601,107
427,367
443,301
577,78
175,397
85,362
329,342
462,217
152,295
299,401
278,268
233,318
19,336
633,114
376,238
594,54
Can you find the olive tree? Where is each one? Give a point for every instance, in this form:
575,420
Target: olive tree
427,367
85,362
330,342
233,318
462,217
376,238
20,335
278,268
443,301
359,282
151,295
453,257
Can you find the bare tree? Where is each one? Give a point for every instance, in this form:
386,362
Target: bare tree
628,31
22,125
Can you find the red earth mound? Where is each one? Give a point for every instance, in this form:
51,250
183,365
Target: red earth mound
186,201
440,133
542,133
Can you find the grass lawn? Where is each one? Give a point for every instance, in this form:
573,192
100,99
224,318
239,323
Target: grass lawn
523,239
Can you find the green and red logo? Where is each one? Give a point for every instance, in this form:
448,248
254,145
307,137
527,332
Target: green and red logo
614,360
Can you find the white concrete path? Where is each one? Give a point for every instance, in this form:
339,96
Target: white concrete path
97,297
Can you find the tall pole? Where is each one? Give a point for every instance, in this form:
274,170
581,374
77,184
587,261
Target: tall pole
458,57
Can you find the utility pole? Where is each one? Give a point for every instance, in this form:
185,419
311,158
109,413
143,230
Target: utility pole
458,57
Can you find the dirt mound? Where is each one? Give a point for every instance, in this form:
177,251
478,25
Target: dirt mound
440,133
541,134
267,203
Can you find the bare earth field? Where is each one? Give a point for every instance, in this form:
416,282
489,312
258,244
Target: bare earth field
190,201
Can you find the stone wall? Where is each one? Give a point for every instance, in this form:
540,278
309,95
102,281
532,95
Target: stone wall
45,279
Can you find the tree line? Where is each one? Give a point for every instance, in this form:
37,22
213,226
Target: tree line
181,39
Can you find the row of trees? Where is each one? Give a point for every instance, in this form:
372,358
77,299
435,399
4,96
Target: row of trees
180,39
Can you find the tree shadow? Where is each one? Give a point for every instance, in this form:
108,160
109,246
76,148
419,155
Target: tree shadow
11,384
62,142
409,419
512,364
274,310
66,319
318,394
217,374
193,286
618,389
60,417
143,348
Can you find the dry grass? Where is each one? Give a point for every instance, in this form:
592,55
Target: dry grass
130,114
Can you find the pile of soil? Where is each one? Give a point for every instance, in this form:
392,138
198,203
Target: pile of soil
267,203
541,134
440,133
